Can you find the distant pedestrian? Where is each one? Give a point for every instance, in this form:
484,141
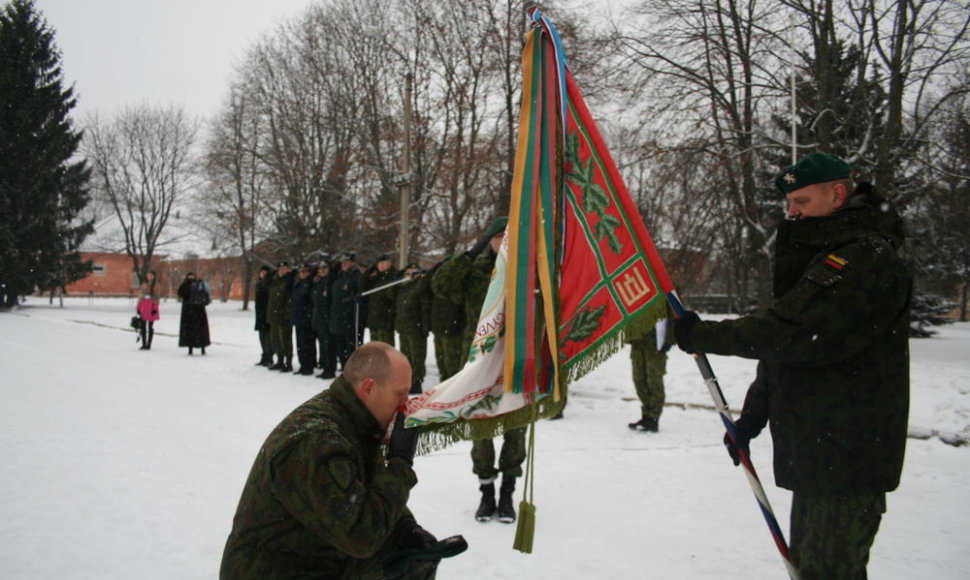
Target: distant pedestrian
147,309
194,323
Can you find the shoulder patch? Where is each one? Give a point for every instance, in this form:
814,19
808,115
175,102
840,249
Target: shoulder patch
828,271
342,472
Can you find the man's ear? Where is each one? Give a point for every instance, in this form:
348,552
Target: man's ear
840,194
367,386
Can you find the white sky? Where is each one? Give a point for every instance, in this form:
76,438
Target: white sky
159,52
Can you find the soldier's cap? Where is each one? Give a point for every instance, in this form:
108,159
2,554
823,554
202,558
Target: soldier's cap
265,269
383,257
347,256
412,266
497,226
305,266
813,168
282,264
323,265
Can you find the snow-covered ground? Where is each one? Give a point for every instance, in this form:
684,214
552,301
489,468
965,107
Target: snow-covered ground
127,464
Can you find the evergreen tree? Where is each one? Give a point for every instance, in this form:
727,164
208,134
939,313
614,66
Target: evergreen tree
43,188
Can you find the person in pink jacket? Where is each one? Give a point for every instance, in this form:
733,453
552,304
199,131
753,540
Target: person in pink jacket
147,310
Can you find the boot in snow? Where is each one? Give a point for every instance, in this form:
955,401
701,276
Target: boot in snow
486,509
648,424
277,365
287,365
506,507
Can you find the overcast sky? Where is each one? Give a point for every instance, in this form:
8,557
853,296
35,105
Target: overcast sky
158,52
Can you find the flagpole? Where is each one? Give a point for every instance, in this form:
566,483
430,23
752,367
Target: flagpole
720,403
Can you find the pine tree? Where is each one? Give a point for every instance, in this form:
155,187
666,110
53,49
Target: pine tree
43,188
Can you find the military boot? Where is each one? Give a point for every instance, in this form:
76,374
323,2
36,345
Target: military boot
277,365
648,424
486,509
287,365
506,507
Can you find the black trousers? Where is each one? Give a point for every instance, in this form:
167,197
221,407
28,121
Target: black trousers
306,347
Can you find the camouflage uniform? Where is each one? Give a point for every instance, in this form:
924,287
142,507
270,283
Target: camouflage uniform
278,314
320,500
411,320
380,305
465,281
649,366
448,326
833,376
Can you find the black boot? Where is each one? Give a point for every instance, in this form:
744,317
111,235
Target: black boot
151,336
203,351
287,365
486,509
506,507
190,351
648,424
277,365
144,340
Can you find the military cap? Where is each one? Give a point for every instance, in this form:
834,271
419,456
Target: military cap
305,266
282,264
497,226
347,256
811,169
265,269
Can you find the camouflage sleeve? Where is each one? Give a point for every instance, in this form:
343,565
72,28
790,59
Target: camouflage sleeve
320,482
836,310
449,281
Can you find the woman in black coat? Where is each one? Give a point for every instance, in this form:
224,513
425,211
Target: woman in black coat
194,324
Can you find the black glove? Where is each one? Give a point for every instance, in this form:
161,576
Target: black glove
747,427
479,247
410,535
404,442
683,327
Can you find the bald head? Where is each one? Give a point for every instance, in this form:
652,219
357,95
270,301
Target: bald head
381,377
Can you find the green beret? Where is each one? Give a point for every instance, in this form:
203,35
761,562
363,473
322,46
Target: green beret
497,226
811,169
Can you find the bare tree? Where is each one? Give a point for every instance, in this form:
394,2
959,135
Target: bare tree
144,164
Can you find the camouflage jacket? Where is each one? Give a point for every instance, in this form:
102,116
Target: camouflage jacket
833,376
413,310
319,495
278,307
465,281
380,305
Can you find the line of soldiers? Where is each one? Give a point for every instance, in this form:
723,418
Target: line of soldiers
329,305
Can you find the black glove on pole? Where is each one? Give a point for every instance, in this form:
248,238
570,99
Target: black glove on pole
683,327
403,442
747,427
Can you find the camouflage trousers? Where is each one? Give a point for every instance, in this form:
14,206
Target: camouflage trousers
382,335
649,367
831,535
448,354
509,461
281,335
415,347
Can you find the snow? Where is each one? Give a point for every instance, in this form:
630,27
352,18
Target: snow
126,464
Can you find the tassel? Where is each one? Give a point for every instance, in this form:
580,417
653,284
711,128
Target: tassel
525,530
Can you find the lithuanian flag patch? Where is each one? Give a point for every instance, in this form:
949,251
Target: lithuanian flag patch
836,262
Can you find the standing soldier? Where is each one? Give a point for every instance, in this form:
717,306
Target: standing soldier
344,294
301,313
465,279
649,344
261,301
448,327
833,363
278,316
321,320
411,320
380,304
